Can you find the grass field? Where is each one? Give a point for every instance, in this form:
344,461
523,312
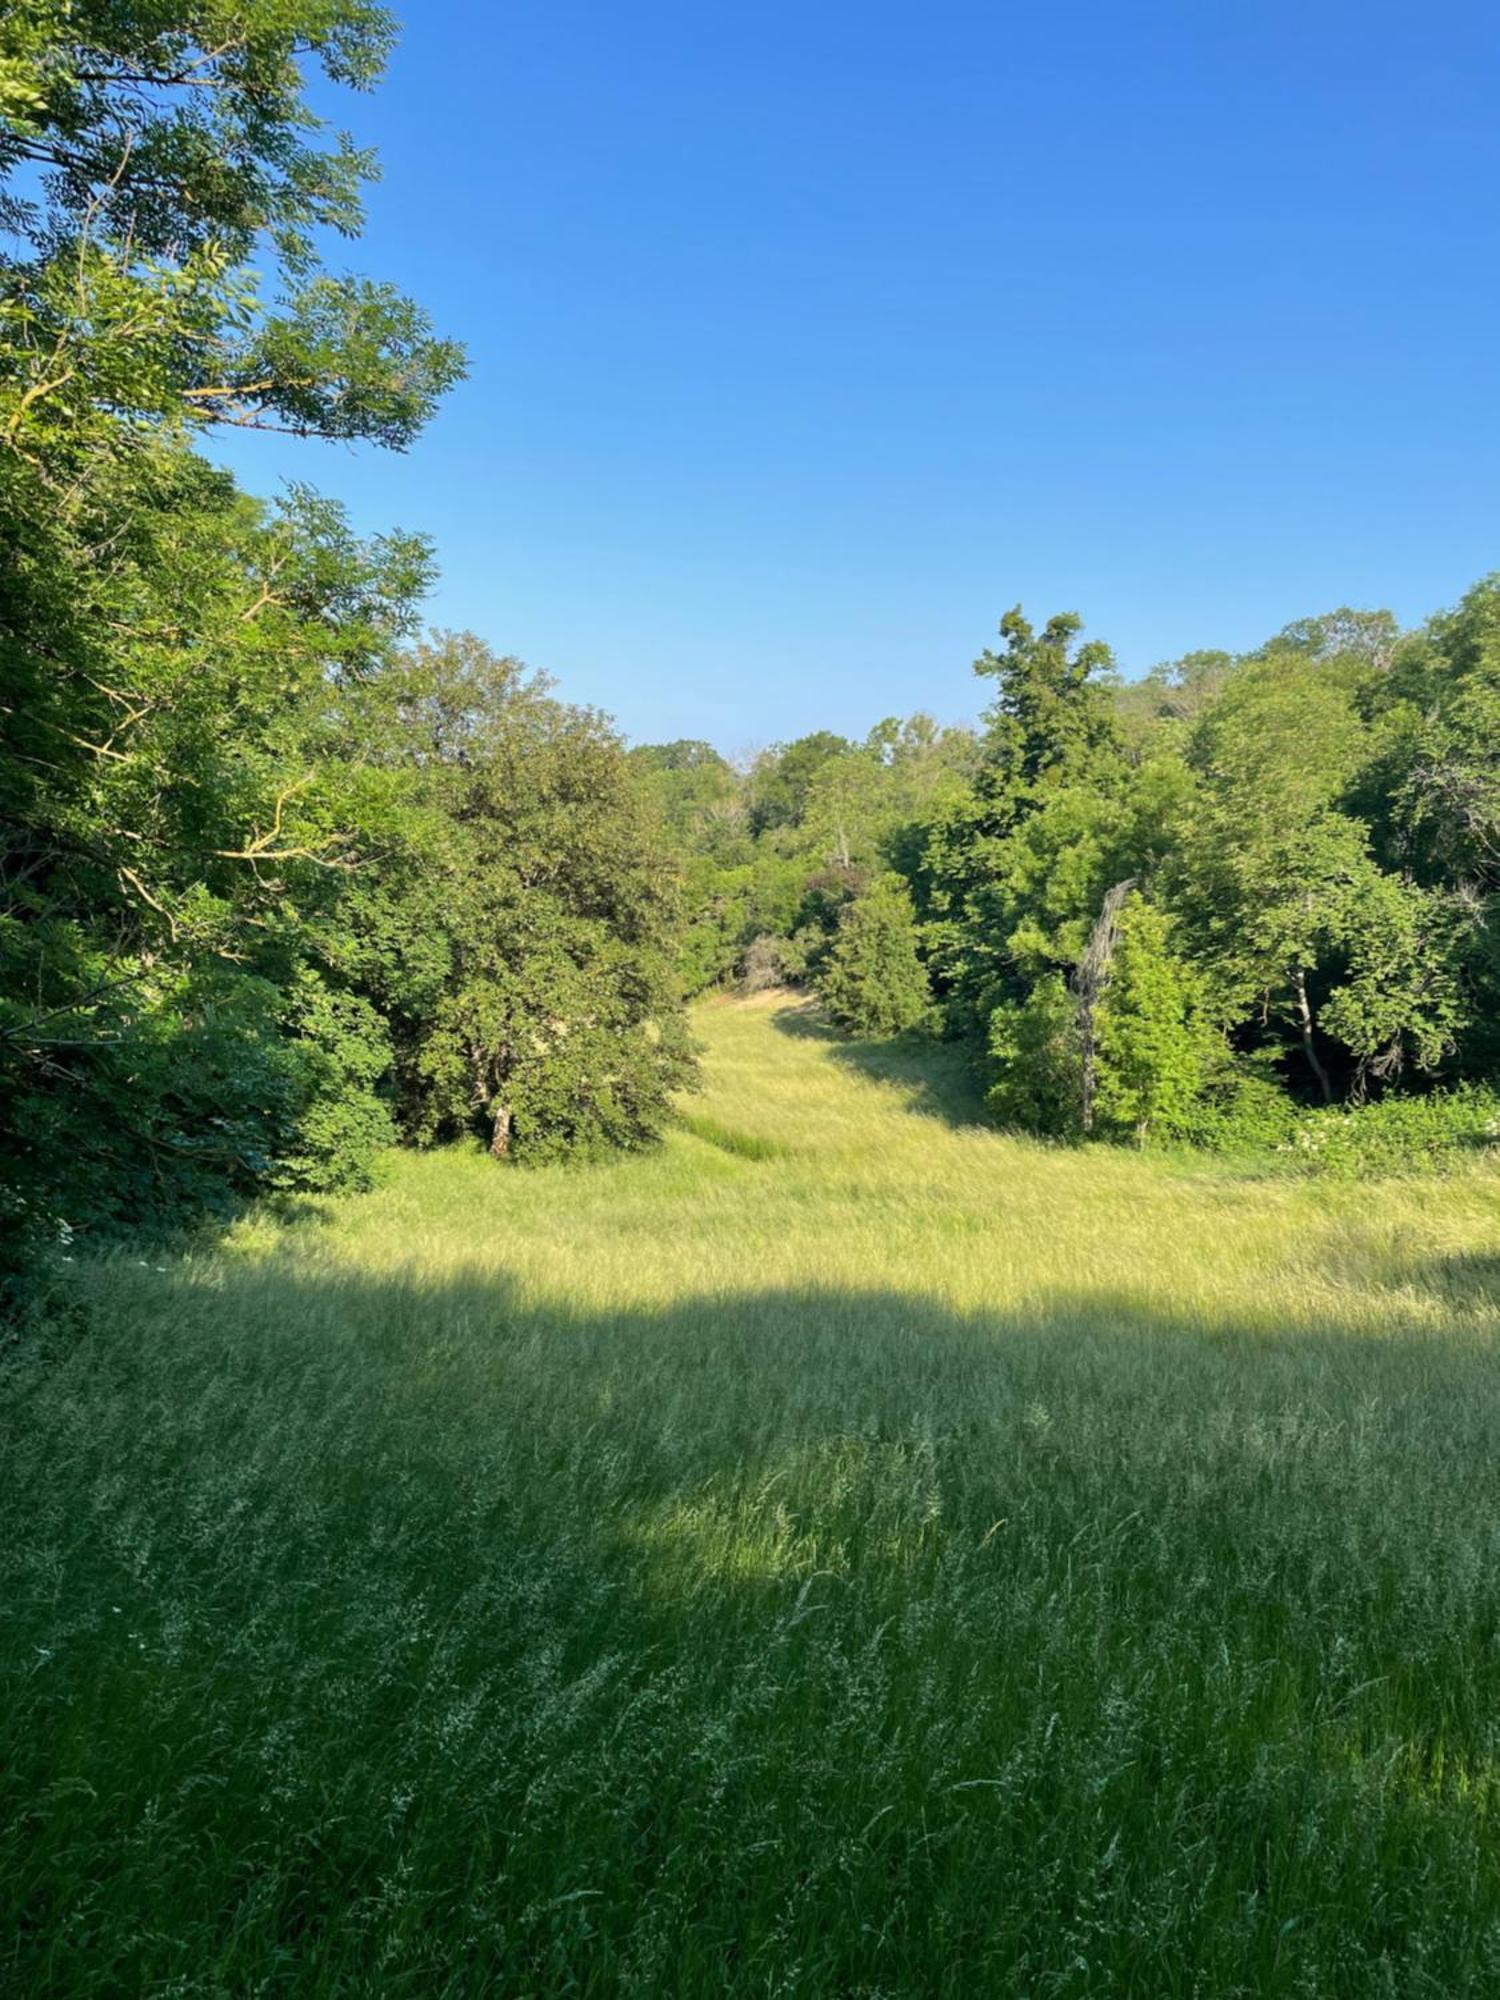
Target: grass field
847,1552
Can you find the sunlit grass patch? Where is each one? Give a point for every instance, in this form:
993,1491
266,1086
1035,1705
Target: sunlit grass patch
743,1145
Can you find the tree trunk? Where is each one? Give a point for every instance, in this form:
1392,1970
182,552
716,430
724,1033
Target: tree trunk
1305,1024
500,1116
1090,977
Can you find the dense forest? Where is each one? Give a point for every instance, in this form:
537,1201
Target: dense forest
1185,907
283,880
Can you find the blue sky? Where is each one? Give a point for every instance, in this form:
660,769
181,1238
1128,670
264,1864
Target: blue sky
806,336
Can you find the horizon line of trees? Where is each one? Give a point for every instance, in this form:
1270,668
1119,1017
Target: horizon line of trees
282,880
1183,907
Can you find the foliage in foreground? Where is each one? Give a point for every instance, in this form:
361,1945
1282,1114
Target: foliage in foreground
843,1567
276,883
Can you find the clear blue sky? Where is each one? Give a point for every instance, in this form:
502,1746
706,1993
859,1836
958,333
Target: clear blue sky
808,335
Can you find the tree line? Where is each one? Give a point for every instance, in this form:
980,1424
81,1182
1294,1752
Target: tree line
281,880
1184,908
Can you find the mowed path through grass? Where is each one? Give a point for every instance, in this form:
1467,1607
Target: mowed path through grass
845,1552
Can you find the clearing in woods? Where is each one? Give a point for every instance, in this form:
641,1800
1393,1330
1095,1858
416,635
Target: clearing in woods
846,1551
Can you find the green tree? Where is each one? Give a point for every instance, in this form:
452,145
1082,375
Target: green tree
1125,1048
543,1010
1178,691
1366,640
780,779
1036,1060
1159,1050
873,981
179,825
1402,1001
849,803
1049,732
1053,708
1447,802
1271,872
174,142
700,795
180,808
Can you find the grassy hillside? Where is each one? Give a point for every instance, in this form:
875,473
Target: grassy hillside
846,1552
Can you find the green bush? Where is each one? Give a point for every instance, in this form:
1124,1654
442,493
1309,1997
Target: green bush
1399,1135
873,981
1034,1047
342,1053
1246,1112
1158,1049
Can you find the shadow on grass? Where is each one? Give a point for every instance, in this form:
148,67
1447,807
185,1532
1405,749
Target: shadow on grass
409,1636
937,1079
1467,1278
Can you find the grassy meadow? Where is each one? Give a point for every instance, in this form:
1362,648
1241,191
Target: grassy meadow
844,1552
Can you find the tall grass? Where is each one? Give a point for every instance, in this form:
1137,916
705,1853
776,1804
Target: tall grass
844,1553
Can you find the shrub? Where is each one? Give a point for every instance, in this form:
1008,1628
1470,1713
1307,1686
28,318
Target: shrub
1157,1048
1038,1062
1244,1111
873,982
342,1052
1399,1135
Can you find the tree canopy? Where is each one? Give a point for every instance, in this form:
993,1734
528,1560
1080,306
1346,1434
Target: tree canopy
1153,909
278,881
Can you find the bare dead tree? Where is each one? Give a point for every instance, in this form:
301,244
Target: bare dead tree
1306,1028
1090,978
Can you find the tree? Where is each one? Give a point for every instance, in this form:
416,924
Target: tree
1179,691
1126,1048
1447,804
699,793
173,142
1367,638
542,1011
848,804
1050,743
1158,1050
1035,1060
178,828
780,779
1401,1001
873,981
180,808
1273,868
1053,706
1088,986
